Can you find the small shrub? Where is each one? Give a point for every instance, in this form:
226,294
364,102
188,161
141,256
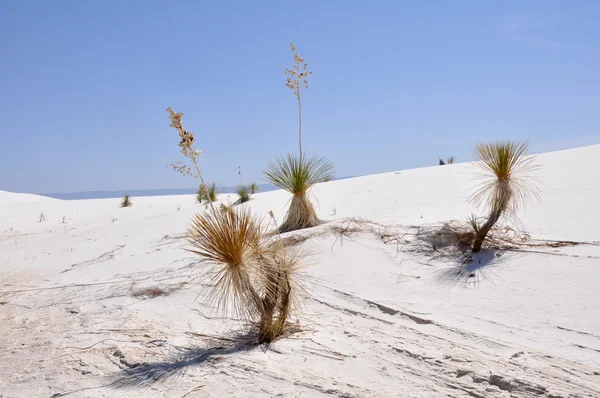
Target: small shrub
256,279
450,160
253,188
126,201
208,194
244,194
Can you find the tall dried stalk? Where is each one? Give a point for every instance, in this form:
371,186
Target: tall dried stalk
187,148
297,81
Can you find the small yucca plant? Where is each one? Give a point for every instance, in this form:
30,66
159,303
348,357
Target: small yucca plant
449,161
253,188
208,194
506,185
244,193
297,175
126,201
257,280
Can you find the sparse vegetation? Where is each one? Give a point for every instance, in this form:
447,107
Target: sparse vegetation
506,186
244,194
449,161
126,201
253,188
42,217
255,279
208,194
297,175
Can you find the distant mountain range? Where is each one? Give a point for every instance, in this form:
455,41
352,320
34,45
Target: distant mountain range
149,192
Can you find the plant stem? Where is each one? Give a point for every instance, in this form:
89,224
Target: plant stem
299,123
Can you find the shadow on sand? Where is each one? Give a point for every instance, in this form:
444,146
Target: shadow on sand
472,269
182,359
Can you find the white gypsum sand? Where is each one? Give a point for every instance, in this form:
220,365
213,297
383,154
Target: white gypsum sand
98,300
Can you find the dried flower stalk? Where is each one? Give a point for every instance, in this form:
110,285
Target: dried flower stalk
187,148
298,81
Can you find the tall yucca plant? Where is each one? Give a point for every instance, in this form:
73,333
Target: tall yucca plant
255,279
506,185
297,175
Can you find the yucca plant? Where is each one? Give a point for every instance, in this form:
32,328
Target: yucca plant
449,161
244,194
208,194
126,201
298,175
253,188
506,183
255,279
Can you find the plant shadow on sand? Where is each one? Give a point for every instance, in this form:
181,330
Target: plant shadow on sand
140,375
471,269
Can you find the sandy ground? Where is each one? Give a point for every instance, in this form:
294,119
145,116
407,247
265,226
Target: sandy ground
385,315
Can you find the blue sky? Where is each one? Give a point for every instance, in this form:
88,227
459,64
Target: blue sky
84,85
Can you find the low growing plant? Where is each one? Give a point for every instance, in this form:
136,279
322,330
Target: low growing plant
244,194
298,175
208,194
126,201
256,279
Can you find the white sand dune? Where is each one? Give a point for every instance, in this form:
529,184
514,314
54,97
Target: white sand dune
382,319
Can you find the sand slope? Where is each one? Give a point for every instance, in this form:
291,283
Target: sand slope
383,318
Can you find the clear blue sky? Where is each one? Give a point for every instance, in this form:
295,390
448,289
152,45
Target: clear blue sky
84,85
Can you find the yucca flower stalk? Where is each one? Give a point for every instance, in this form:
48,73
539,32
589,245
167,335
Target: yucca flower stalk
298,175
188,148
254,278
506,186
297,82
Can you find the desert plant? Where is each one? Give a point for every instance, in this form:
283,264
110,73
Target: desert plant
244,193
254,278
253,188
208,194
188,148
297,81
449,161
297,175
42,217
506,185
126,201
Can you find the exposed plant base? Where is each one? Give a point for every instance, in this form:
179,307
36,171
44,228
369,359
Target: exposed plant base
300,215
